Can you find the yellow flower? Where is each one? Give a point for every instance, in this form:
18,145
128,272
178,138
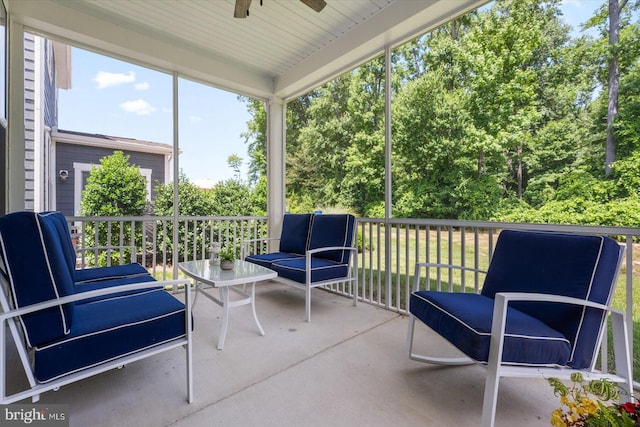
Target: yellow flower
589,405
556,419
564,400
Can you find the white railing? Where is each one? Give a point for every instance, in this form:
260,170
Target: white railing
388,251
149,239
386,280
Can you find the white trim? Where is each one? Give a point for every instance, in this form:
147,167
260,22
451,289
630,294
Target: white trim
79,168
39,190
52,174
113,142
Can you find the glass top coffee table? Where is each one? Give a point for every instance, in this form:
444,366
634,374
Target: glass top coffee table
207,276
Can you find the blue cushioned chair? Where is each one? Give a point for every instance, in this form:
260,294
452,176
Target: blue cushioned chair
542,311
315,250
75,331
87,275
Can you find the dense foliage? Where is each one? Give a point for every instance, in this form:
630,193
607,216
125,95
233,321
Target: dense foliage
229,198
114,188
500,114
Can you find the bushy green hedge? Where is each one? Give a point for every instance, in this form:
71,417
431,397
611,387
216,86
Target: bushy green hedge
114,188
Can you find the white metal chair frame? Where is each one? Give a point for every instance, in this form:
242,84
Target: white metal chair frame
496,369
9,316
352,277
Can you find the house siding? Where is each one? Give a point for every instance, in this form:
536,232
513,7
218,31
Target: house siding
67,154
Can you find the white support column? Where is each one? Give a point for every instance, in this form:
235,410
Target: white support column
388,186
15,172
276,119
176,173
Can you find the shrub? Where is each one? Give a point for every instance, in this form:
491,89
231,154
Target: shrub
114,188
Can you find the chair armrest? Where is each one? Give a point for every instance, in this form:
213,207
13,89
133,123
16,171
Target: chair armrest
419,265
503,298
91,294
261,239
620,334
329,248
310,252
244,246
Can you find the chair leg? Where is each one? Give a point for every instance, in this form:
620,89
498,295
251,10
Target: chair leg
189,346
490,399
621,351
412,324
307,303
495,360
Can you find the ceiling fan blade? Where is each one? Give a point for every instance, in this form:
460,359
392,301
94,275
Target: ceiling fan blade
316,5
242,8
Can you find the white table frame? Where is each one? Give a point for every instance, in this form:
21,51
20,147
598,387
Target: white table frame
211,276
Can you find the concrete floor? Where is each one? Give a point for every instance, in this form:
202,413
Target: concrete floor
348,367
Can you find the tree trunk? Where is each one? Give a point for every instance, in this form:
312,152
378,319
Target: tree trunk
614,81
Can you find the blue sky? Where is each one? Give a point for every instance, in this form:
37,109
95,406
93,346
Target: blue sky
121,99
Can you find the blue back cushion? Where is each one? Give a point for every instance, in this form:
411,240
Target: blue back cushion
37,271
295,233
332,230
571,265
58,221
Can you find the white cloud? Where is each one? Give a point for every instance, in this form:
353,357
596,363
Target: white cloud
195,119
105,79
139,107
141,86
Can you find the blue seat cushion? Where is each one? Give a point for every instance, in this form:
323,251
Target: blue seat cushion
464,319
295,233
332,230
582,267
109,328
109,273
321,269
266,260
104,284
37,271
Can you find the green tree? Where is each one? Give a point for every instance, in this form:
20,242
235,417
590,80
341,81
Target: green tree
114,188
235,162
192,202
516,63
256,138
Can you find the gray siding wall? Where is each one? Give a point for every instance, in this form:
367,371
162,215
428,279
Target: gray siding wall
67,154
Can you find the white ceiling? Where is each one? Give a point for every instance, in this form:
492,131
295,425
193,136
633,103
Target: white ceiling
282,50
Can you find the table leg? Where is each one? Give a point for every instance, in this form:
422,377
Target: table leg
253,307
224,294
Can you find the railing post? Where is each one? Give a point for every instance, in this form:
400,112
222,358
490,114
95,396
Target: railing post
629,294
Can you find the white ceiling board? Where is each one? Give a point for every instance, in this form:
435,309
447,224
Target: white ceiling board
281,49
